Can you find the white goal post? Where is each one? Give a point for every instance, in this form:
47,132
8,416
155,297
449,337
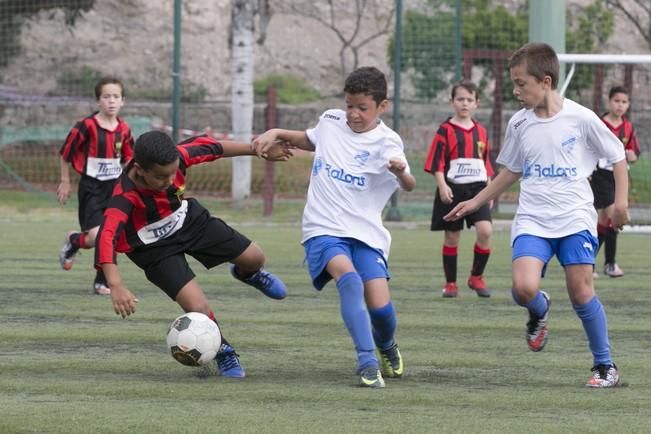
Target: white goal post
617,59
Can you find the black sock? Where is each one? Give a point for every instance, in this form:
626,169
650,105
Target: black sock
480,260
610,248
450,263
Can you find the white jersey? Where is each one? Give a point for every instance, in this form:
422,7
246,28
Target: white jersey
350,183
556,156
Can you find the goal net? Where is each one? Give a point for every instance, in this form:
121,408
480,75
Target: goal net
588,80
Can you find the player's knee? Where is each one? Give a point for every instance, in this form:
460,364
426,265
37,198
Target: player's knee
524,290
251,260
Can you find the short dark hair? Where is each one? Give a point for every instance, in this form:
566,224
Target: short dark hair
369,81
618,89
468,85
107,80
155,147
541,60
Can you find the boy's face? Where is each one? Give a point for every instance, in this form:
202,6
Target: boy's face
110,100
157,178
362,112
464,103
618,104
530,91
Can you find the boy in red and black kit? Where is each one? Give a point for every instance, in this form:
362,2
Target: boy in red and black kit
97,147
603,182
459,159
150,220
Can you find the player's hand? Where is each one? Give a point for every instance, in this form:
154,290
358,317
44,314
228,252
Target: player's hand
124,302
621,217
446,195
462,209
63,192
278,151
396,166
264,142
631,157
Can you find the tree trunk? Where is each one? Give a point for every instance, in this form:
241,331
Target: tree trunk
242,92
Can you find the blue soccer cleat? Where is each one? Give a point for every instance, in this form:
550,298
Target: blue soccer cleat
228,362
267,283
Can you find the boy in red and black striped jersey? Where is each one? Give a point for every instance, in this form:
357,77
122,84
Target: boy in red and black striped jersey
603,182
459,159
149,219
97,147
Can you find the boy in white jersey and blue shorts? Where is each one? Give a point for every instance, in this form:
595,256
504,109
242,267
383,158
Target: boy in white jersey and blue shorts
552,146
358,163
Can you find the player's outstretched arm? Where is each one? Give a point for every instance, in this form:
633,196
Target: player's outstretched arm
124,302
287,138
621,215
276,152
496,187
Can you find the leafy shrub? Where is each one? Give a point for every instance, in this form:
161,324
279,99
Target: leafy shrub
290,89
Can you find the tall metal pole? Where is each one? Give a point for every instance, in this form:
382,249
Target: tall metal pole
457,42
176,78
547,24
393,213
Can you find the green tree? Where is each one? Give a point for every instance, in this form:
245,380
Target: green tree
590,27
428,38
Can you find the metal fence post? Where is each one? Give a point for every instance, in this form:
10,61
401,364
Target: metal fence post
393,213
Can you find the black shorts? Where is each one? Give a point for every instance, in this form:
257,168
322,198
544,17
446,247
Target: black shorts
602,182
93,196
207,239
461,192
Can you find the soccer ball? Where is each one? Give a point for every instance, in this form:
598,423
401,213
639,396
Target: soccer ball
193,339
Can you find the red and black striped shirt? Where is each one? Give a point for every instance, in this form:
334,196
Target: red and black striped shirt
87,139
137,217
625,132
452,142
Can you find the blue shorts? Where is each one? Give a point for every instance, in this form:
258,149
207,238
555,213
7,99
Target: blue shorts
573,249
368,262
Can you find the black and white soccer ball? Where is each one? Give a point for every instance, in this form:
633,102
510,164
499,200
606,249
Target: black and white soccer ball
193,339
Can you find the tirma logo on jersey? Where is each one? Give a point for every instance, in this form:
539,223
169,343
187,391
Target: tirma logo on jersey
465,170
551,171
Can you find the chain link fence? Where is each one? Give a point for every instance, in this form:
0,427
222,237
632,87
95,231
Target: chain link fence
53,52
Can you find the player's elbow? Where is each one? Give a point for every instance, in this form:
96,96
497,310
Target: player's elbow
408,184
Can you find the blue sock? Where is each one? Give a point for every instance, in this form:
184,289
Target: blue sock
538,306
384,323
594,321
356,318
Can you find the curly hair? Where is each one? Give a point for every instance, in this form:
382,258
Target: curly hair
367,80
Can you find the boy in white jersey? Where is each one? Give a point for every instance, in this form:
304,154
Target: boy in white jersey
358,163
552,146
